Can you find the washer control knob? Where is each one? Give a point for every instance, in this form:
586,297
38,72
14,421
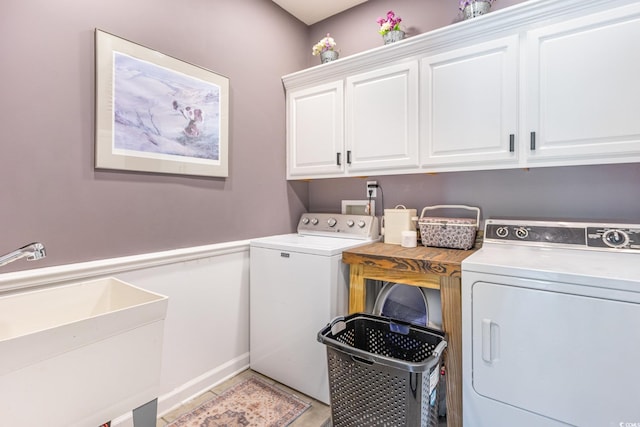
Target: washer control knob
332,222
350,223
314,221
522,233
615,238
305,220
502,231
361,223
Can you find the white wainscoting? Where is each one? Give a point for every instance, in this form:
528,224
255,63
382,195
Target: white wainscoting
206,338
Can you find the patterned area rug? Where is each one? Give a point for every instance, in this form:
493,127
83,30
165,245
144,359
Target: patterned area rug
251,403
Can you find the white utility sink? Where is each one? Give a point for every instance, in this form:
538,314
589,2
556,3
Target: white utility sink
80,354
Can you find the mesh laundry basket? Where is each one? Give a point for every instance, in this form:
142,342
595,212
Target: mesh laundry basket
382,372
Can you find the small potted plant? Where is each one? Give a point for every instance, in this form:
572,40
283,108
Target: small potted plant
473,8
326,49
390,28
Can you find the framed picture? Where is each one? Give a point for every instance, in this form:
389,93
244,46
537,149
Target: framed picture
155,113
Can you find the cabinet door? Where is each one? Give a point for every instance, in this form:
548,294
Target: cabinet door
382,119
469,106
315,131
583,89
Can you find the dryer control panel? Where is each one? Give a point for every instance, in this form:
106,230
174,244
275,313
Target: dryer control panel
613,237
576,235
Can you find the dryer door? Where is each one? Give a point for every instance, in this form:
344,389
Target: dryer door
568,357
402,302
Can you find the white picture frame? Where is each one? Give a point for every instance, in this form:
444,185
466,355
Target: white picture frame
156,113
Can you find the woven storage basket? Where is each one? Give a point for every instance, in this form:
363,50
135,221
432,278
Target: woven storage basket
453,233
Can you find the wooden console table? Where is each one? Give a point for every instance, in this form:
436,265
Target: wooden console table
428,268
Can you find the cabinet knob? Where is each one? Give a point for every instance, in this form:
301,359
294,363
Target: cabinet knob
338,159
512,139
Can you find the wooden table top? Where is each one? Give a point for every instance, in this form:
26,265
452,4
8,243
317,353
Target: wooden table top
421,259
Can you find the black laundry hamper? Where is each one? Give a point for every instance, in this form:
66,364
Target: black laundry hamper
382,372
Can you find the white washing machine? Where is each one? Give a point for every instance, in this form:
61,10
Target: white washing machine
550,321
298,284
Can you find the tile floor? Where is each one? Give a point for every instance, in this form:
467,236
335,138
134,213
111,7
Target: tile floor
318,415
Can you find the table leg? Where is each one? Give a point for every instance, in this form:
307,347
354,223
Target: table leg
450,292
357,289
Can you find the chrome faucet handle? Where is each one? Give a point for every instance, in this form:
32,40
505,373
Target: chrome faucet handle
36,251
32,251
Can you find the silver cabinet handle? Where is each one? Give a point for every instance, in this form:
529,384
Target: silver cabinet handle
533,141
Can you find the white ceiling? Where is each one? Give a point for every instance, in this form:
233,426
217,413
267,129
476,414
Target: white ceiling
312,11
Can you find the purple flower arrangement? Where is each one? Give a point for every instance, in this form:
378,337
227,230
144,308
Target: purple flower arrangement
390,23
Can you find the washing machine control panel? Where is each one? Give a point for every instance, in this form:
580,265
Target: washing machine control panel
576,235
339,225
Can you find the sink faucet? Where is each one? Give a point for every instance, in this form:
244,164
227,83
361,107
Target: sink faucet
32,251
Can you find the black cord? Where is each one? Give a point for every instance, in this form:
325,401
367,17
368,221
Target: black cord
378,186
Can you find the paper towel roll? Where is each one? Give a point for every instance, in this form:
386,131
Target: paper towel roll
409,239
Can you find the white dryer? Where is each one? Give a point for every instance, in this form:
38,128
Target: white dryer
298,284
550,321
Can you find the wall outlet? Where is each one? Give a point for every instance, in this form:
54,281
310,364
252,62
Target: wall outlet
372,187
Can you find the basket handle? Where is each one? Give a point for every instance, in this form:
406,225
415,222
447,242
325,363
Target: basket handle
361,359
469,208
337,325
439,349
334,327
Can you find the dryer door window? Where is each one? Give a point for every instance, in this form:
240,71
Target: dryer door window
403,302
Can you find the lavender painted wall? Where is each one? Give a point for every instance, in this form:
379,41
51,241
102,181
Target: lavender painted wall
581,192
578,192
50,190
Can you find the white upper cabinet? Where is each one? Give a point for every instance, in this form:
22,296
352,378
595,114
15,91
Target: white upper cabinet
315,131
583,89
382,119
469,106
381,125
541,83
